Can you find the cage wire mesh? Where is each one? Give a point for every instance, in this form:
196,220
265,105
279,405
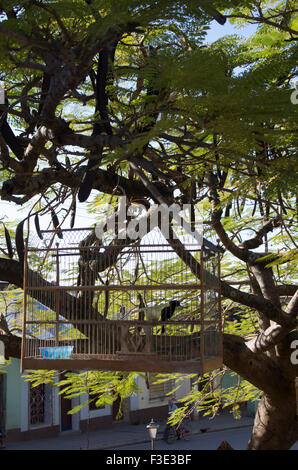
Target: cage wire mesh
149,304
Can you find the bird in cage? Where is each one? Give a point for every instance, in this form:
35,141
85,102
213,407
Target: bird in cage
160,312
153,312
168,312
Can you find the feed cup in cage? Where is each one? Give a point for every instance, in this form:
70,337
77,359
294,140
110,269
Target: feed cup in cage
56,352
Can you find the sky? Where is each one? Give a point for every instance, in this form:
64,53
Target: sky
9,212
216,30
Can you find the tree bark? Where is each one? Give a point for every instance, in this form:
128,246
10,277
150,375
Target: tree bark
275,425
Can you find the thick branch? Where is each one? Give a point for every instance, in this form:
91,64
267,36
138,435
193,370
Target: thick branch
104,181
259,303
292,308
257,240
10,271
216,212
258,369
39,44
275,333
268,339
286,290
264,277
12,345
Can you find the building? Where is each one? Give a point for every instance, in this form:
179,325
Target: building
40,412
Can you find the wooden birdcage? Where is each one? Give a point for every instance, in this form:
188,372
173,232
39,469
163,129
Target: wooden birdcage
148,305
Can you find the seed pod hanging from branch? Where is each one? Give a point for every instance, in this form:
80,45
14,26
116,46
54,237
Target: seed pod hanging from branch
56,223
20,245
87,182
8,242
37,227
73,214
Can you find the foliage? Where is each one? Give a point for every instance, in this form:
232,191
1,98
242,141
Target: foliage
191,110
98,386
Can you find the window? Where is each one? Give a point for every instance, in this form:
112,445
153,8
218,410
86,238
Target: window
37,404
40,405
159,390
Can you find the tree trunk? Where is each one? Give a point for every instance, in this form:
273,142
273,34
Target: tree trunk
275,425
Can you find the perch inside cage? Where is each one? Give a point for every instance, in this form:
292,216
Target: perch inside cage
148,305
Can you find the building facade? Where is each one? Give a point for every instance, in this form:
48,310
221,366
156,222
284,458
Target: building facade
38,412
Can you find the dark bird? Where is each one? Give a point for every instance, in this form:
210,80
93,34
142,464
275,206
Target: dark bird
141,306
141,311
168,312
155,313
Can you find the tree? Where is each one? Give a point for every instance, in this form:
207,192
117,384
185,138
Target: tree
126,97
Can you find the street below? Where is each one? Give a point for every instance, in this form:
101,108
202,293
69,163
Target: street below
237,438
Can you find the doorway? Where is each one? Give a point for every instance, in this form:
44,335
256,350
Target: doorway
65,407
66,419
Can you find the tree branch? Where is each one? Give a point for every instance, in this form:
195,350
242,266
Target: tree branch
257,240
258,369
216,213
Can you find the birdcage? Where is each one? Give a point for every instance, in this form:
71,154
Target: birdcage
149,304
